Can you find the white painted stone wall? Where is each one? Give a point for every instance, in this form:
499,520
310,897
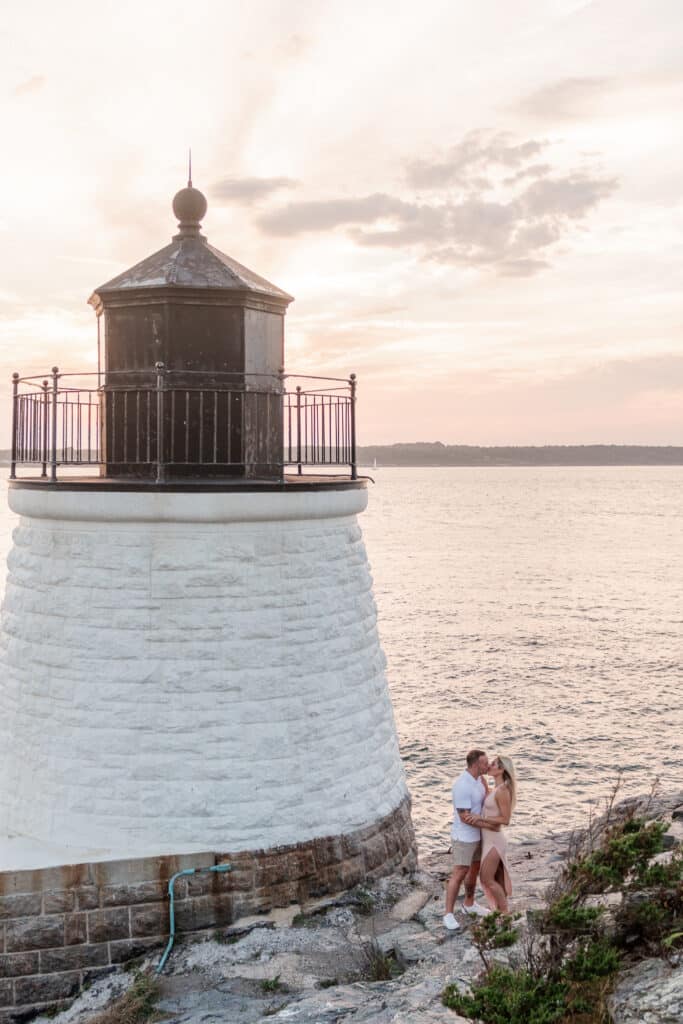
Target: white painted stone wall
189,672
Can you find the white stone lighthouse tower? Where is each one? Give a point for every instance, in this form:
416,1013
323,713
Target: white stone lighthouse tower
190,661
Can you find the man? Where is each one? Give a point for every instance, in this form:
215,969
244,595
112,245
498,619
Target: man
469,793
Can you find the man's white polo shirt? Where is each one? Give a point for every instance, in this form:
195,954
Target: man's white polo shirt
469,794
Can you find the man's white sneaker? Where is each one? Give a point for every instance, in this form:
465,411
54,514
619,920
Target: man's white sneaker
477,910
450,923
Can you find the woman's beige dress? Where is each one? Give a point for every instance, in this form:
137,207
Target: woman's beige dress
495,841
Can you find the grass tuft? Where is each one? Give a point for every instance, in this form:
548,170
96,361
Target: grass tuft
136,1006
273,984
377,965
363,901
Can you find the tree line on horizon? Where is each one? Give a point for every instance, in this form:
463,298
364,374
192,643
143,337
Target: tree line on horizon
435,453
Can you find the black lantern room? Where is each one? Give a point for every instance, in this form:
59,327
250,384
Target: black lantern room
194,349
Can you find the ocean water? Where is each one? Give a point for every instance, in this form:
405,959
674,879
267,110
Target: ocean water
536,613
532,612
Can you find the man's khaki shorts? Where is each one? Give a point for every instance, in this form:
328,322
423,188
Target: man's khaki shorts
465,854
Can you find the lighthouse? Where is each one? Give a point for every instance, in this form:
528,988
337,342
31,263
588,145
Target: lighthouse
190,658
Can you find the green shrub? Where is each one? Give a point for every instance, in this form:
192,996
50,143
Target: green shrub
663,875
587,1002
596,958
567,914
510,997
644,924
495,931
626,849
566,966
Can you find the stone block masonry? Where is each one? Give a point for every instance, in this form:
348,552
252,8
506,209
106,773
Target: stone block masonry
191,671
63,926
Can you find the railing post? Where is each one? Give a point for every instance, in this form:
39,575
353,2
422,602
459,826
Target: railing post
15,411
161,472
280,432
53,446
46,406
354,468
298,428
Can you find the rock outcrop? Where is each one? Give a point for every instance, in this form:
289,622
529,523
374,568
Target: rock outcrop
316,964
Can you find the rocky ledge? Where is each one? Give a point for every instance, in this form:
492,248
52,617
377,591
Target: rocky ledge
320,963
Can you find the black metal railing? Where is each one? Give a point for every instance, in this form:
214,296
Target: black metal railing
166,422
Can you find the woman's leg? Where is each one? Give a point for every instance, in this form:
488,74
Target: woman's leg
495,893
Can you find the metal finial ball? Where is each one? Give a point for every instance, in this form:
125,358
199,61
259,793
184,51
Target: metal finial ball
189,205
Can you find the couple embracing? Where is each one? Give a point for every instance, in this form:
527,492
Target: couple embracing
478,844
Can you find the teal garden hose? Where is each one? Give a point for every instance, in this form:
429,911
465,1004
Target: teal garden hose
219,868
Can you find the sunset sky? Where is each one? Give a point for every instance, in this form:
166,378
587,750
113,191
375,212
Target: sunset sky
476,205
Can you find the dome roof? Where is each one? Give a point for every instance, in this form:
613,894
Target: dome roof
190,262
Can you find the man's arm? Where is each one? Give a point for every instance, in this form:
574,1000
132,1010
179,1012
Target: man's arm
492,824
475,821
504,801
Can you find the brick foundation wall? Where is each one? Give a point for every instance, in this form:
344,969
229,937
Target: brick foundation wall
63,926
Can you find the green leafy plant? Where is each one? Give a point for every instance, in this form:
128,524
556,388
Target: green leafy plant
506,996
666,875
626,849
567,914
596,958
496,931
273,984
673,940
644,924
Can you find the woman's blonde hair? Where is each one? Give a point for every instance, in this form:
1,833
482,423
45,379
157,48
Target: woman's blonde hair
509,776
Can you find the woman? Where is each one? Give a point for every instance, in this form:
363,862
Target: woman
497,811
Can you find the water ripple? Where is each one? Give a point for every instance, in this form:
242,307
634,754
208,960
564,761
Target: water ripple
537,612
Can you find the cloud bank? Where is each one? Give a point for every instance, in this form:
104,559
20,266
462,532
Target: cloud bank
469,209
565,99
33,84
249,189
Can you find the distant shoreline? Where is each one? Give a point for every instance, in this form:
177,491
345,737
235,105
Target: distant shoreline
436,454
441,455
